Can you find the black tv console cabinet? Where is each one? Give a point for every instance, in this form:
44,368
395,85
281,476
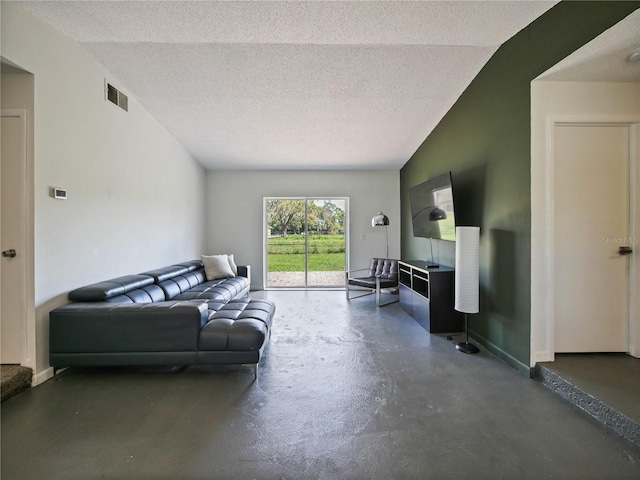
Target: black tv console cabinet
427,294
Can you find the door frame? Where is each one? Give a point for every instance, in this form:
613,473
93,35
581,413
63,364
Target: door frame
265,263
28,330
633,123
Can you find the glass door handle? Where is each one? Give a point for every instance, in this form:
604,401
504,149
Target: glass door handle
625,251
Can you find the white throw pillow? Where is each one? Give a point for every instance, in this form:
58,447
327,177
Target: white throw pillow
232,264
216,266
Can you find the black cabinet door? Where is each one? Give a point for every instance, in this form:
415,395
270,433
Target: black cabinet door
406,301
421,311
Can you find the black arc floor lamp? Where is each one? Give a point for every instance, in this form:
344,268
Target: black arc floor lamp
467,286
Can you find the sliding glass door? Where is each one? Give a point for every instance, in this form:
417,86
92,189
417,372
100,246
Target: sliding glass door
305,242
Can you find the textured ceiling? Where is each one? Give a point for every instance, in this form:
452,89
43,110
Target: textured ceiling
293,84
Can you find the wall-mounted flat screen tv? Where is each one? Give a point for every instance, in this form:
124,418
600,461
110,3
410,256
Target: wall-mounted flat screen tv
432,212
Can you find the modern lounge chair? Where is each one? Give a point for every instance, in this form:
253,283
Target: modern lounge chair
381,274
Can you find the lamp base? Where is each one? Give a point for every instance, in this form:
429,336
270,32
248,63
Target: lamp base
466,347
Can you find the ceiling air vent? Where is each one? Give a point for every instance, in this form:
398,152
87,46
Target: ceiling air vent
116,96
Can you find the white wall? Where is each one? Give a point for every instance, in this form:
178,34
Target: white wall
235,207
136,197
580,100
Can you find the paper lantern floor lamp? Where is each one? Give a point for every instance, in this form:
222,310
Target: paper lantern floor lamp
467,286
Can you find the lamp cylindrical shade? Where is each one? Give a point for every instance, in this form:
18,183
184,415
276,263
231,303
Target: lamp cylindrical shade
467,286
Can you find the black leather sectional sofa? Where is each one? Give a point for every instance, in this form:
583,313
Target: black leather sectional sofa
169,316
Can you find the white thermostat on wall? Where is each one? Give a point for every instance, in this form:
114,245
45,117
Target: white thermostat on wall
59,193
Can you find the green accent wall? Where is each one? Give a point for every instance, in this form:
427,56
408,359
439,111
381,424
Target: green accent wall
485,141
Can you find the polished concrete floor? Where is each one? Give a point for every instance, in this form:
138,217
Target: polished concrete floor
346,391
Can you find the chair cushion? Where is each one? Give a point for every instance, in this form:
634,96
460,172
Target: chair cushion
370,282
384,268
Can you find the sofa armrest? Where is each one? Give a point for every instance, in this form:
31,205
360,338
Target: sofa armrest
245,271
132,327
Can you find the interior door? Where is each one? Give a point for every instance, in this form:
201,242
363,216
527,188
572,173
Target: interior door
591,223
13,309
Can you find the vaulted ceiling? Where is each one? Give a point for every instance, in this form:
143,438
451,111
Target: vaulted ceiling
293,84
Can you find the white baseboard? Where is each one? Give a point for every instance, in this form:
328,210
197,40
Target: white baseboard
41,377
